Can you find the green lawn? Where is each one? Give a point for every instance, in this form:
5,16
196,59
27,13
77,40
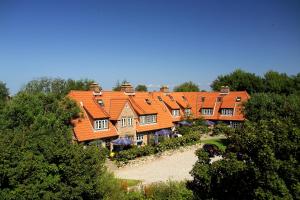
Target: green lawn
221,143
131,182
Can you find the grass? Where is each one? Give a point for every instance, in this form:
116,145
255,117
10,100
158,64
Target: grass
221,143
130,182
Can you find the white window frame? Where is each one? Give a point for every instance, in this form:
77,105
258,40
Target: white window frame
148,119
227,111
129,121
123,122
101,124
175,112
207,111
187,111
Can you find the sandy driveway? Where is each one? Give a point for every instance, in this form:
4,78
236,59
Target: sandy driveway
174,167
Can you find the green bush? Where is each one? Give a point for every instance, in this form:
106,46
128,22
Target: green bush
169,190
171,143
222,129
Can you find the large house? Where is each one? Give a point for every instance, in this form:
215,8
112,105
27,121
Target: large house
108,115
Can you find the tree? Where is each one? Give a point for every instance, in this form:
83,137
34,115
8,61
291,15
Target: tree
279,83
118,85
141,88
56,86
262,159
38,159
187,87
4,93
239,80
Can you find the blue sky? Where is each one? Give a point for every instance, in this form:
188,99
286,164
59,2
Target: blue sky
146,42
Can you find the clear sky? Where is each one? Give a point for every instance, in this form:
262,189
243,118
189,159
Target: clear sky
146,41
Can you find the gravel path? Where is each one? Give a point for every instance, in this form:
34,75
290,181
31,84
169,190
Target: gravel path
167,167
171,165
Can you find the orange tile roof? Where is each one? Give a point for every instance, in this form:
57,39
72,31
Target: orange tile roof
114,102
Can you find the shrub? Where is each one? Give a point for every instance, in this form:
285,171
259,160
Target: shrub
171,143
170,190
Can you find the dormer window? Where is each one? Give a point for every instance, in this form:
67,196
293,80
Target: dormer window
206,111
148,119
187,112
101,124
227,111
100,102
175,113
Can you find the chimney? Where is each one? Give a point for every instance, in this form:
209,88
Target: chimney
224,90
127,88
95,87
164,89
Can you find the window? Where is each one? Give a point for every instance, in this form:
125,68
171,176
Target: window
227,111
101,124
187,111
129,121
206,111
159,98
123,122
183,97
202,99
100,102
142,119
175,113
235,124
139,137
148,119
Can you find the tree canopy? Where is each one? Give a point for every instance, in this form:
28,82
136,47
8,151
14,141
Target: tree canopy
239,80
38,159
187,87
56,86
4,93
262,159
141,88
118,85
271,82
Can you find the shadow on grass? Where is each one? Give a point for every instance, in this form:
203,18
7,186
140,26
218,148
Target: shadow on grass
221,143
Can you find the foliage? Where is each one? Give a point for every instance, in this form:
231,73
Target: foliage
118,85
263,159
170,190
271,82
221,143
38,159
222,129
141,88
171,143
4,93
187,87
239,80
269,106
57,86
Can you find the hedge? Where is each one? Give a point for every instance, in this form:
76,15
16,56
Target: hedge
171,143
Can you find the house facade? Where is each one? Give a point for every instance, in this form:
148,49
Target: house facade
107,115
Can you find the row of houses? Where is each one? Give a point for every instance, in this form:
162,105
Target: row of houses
108,115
